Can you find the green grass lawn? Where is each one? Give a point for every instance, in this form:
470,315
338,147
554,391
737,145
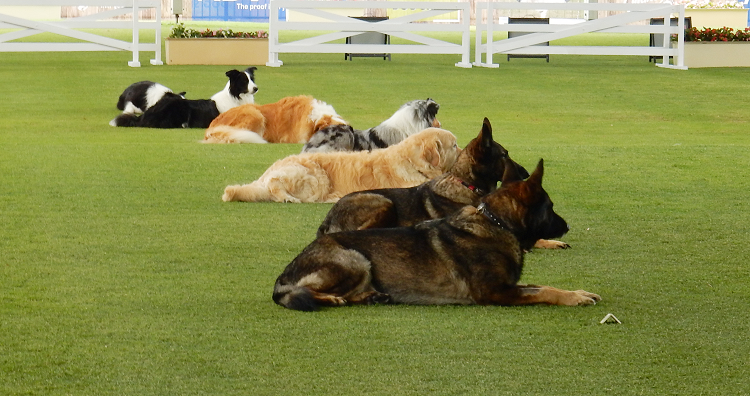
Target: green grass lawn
123,272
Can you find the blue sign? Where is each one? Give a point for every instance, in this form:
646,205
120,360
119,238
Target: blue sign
233,10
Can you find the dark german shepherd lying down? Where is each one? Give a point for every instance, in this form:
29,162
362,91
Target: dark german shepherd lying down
476,172
474,256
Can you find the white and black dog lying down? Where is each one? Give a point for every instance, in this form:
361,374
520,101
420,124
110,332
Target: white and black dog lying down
138,97
174,111
410,118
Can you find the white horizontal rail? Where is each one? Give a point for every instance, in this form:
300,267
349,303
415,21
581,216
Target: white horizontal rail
401,27
93,42
543,33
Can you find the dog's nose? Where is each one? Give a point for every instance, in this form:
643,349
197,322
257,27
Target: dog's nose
255,89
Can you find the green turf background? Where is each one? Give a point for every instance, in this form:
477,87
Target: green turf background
123,273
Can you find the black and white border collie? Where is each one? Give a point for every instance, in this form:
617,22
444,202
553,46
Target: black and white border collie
410,118
138,97
174,111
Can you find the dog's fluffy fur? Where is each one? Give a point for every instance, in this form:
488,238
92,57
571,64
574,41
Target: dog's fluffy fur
174,111
409,119
326,177
138,97
290,120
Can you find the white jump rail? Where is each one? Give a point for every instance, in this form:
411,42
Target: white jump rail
93,42
401,27
618,23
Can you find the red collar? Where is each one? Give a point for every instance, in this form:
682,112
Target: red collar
471,187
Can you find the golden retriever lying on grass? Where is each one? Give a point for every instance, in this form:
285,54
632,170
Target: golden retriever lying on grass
290,120
326,177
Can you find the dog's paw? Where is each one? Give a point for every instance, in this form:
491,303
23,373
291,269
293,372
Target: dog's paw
113,122
338,301
378,298
228,193
550,244
585,298
331,300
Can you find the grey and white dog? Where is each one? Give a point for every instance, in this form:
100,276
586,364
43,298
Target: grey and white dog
410,118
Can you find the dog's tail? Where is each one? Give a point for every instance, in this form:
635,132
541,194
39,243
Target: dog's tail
228,134
125,120
294,297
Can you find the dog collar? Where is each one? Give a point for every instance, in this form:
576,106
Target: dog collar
483,209
472,188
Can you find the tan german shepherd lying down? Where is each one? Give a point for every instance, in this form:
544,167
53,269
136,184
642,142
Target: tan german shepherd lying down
326,177
474,256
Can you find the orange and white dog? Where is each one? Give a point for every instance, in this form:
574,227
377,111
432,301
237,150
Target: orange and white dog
290,120
326,177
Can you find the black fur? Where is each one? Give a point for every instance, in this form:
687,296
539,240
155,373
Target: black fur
135,94
173,111
238,81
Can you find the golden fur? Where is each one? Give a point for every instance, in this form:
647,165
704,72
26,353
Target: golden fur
290,120
326,177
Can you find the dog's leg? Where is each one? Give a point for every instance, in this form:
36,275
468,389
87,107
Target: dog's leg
359,212
247,193
326,274
550,244
532,294
329,300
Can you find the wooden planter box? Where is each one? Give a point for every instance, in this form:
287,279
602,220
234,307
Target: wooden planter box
717,54
217,51
735,18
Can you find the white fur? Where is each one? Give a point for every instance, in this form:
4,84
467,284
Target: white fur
153,95
237,135
131,109
400,125
321,109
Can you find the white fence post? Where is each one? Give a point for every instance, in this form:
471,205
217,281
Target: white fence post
69,28
273,36
136,36
679,57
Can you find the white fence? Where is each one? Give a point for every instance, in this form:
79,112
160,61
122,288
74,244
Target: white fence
620,23
400,27
93,42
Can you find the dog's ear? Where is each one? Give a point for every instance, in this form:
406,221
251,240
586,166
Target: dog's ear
510,174
486,134
536,177
432,152
432,106
233,73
